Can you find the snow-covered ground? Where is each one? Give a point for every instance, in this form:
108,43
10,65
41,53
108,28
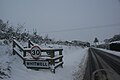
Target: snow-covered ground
72,59
111,52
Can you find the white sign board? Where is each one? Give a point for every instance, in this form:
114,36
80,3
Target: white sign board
38,64
35,52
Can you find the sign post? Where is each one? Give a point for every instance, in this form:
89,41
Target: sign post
35,52
36,62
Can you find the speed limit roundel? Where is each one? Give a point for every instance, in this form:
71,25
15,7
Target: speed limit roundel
35,52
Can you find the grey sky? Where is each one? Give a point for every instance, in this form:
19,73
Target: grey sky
49,16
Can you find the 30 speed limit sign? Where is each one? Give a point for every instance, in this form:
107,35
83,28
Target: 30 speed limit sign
35,52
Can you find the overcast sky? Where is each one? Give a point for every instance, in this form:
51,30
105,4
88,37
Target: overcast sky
65,19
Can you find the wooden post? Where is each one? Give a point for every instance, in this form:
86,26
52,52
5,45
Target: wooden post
13,46
60,60
24,53
13,52
24,61
52,56
29,43
52,62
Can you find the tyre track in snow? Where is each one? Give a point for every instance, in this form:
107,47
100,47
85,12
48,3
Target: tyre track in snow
99,60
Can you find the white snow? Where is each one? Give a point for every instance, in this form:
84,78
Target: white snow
5,60
116,42
111,52
72,57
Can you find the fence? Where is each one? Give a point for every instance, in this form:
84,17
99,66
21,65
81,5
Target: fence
49,59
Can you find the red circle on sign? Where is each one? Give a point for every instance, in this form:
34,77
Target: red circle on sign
35,52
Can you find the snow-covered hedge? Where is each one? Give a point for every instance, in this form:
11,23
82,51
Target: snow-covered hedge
5,68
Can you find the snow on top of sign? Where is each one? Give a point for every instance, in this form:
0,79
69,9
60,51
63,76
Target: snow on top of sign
35,44
27,49
40,58
57,56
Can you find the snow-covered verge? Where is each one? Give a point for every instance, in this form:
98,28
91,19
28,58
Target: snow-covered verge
111,52
5,61
79,74
13,68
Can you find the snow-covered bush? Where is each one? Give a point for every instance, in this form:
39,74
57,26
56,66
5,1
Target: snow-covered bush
5,68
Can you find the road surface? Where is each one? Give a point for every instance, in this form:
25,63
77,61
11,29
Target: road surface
102,65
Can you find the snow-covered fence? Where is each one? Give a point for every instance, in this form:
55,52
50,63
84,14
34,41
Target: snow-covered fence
18,51
50,58
54,58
